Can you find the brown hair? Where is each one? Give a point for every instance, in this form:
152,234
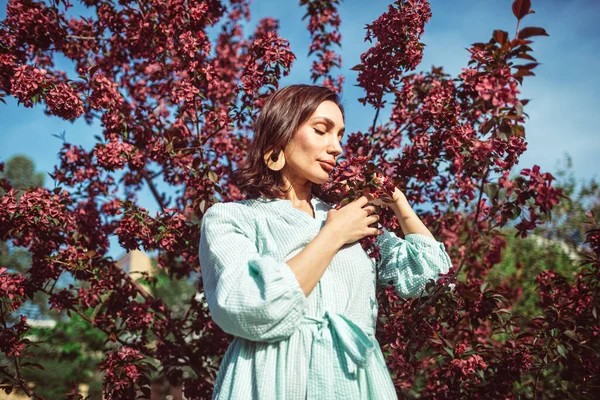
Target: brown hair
280,117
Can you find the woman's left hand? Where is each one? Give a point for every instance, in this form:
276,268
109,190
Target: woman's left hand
385,200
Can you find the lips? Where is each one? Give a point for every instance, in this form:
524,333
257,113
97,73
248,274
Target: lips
327,165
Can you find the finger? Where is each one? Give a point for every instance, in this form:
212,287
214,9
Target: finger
377,202
370,209
364,199
375,231
372,219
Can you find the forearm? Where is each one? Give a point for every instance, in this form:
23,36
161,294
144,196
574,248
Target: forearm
408,220
310,264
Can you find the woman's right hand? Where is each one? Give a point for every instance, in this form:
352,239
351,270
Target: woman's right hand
351,222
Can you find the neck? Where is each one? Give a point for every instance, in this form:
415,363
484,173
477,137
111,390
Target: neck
299,195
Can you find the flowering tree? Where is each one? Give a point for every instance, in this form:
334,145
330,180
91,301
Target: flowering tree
176,109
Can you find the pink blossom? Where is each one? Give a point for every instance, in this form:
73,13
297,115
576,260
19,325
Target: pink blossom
397,33
105,93
28,82
62,101
113,155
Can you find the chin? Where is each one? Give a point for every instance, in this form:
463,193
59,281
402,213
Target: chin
321,179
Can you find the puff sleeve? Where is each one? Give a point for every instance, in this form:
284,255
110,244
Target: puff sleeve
249,295
411,262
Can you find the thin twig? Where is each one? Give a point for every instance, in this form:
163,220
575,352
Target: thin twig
375,120
438,292
88,320
157,196
143,292
18,379
141,8
475,225
97,39
537,376
28,391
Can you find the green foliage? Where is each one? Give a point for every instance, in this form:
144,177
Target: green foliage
568,217
556,245
70,353
523,260
176,293
20,172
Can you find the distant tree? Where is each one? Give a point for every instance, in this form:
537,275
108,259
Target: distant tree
522,261
554,246
70,353
72,350
568,217
20,172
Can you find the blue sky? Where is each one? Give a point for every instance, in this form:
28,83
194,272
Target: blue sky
564,105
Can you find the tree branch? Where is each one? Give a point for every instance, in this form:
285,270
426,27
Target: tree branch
437,293
155,193
19,381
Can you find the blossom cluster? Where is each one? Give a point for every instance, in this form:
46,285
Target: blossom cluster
113,155
64,102
324,24
105,93
272,59
28,83
397,49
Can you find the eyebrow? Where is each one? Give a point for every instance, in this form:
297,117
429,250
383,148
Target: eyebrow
330,124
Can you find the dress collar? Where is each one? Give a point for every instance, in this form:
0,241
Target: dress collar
284,207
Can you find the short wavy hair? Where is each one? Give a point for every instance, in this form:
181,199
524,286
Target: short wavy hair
279,119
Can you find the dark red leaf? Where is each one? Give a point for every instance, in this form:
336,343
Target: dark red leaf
528,66
532,31
526,57
523,72
500,36
521,8
487,126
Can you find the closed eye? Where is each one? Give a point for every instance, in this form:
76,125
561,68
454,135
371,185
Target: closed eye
320,132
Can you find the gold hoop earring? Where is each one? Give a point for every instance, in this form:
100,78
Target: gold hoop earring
274,165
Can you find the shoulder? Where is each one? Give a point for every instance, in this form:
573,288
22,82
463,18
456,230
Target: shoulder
226,209
230,213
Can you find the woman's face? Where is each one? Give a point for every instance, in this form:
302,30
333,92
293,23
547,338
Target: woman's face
315,143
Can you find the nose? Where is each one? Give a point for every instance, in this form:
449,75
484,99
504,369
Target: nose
335,148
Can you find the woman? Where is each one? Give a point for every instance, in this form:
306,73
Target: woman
284,273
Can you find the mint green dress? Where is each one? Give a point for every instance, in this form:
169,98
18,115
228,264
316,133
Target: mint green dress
288,346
